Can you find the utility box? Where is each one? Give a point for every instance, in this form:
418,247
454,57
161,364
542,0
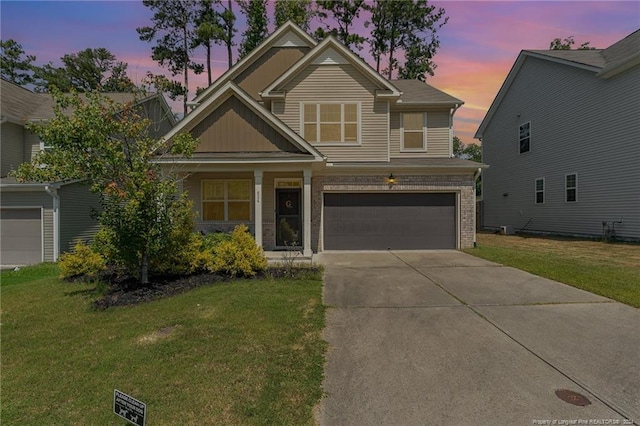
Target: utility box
507,230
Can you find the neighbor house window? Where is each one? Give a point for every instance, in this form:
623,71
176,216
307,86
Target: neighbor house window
226,200
571,188
540,191
525,137
414,131
330,122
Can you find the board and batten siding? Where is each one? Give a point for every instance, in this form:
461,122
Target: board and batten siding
580,124
438,134
34,199
264,71
339,83
12,150
233,127
76,219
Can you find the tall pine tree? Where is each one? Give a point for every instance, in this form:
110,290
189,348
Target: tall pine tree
343,13
297,11
255,12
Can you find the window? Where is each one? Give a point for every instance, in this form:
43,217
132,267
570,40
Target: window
540,191
571,188
226,200
330,123
414,131
525,137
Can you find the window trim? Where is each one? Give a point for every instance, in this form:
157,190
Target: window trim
536,191
567,188
358,140
521,139
225,200
424,132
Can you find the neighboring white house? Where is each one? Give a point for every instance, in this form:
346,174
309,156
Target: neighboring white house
562,139
39,221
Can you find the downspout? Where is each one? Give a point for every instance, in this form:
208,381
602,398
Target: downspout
56,220
452,111
476,175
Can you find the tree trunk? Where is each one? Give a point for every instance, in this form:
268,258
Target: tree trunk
186,72
230,37
144,267
209,62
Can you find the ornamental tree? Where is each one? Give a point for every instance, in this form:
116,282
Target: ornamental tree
107,145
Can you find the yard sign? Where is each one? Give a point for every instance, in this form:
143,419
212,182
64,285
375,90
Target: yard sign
129,408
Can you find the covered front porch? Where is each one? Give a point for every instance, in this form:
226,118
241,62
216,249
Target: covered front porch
274,202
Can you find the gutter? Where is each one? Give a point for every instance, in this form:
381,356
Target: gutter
56,220
452,111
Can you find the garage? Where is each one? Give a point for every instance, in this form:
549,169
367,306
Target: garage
20,236
389,221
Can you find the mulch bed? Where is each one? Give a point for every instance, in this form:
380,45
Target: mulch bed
127,291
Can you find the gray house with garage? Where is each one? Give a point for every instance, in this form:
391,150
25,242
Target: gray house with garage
39,221
562,138
311,148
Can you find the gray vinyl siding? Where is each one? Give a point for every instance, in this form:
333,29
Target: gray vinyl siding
35,199
31,145
340,83
579,124
438,134
12,151
76,220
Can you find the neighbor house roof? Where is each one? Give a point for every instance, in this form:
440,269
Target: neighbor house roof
605,63
416,92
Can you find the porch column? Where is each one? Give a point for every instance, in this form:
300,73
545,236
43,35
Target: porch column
306,213
257,206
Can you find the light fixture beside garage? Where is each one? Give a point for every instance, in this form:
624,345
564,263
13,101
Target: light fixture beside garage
391,180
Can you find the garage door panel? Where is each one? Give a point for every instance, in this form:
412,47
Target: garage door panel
21,236
400,221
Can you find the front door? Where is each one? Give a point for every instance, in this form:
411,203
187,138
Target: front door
288,217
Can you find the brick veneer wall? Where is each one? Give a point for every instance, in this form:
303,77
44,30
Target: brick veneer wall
463,184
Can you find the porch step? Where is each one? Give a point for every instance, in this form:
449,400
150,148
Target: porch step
283,256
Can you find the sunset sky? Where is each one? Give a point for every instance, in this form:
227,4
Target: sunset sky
478,45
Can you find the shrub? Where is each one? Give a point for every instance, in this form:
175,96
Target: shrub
239,256
82,262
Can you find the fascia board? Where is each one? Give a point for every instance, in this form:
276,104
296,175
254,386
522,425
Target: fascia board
245,62
351,57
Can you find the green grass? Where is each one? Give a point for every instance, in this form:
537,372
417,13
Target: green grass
587,265
246,352
25,274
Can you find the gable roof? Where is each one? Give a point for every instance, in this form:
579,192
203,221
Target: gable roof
416,92
289,31
604,63
223,93
388,89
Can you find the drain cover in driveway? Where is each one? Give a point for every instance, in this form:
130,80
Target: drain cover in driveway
572,397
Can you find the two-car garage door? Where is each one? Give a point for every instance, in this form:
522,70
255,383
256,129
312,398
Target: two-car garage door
20,236
383,221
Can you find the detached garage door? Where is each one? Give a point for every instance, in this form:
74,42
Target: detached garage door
20,236
396,221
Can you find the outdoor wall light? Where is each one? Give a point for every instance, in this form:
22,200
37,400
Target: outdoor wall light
391,179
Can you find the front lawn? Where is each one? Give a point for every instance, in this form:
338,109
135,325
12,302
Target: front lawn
240,352
608,269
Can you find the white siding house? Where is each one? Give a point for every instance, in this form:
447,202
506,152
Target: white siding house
562,139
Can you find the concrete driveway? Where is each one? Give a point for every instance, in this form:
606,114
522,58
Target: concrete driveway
444,338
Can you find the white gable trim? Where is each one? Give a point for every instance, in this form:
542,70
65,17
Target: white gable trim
330,43
289,32
225,92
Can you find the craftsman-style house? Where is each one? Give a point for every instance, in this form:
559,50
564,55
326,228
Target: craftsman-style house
310,147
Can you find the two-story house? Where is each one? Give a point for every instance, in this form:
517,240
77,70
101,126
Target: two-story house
309,146
39,221
562,138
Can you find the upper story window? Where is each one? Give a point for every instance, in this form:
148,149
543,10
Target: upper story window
226,200
414,131
331,122
540,191
525,137
571,188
